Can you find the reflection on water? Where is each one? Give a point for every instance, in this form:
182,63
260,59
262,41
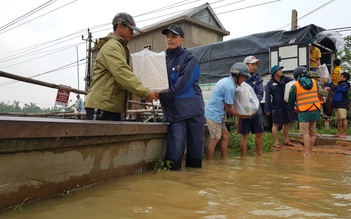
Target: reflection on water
278,185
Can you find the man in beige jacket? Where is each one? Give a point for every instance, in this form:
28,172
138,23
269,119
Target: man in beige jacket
113,77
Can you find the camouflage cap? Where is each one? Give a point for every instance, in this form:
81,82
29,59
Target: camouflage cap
126,19
314,74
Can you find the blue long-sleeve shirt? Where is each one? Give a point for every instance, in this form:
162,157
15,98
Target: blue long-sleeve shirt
184,97
341,94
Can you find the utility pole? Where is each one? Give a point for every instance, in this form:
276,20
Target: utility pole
88,69
77,65
294,20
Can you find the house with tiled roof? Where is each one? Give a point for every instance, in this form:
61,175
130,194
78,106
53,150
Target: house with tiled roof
201,26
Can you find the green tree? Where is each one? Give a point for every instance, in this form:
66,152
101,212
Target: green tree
31,108
7,107
346,54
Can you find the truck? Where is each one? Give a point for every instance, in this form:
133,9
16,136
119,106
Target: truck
286,48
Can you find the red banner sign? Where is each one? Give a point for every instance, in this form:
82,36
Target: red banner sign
62,97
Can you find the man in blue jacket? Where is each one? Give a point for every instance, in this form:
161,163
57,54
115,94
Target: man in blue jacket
182,104
276,107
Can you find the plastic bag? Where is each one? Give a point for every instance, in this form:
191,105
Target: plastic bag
324,72
287,90
150,68
245,100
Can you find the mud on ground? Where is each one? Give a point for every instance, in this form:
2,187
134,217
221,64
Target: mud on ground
323,145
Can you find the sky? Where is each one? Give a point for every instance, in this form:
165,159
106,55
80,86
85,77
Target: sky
47,44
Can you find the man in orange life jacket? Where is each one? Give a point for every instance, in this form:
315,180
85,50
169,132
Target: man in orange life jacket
304,97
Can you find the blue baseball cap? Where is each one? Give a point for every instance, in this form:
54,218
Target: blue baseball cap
176,29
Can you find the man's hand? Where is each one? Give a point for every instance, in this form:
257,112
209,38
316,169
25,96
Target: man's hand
245,116
152,96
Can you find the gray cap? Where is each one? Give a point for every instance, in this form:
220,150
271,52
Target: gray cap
126,19
240,68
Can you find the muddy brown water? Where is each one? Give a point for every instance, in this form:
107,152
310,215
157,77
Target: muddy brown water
281,184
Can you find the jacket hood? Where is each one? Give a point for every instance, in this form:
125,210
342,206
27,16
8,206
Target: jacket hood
344,83
103,40
306,82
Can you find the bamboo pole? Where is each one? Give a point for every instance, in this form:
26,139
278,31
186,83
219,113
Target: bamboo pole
42,83
63,87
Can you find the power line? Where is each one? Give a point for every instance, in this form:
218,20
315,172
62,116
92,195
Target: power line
50,50
228,4
70,65
35,50
165,8
162,8
30,50
80,32
177,12
37,17
46,55
27,14
73,36
341,29
309,13
59,68
251,6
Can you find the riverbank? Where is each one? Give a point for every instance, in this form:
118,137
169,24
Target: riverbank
325,143
41,157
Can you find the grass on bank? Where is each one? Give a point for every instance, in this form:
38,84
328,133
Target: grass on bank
234,140
321,128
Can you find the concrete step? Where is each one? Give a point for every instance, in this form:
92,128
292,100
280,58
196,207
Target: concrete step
324,139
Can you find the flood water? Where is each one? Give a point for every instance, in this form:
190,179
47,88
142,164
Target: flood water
280,184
